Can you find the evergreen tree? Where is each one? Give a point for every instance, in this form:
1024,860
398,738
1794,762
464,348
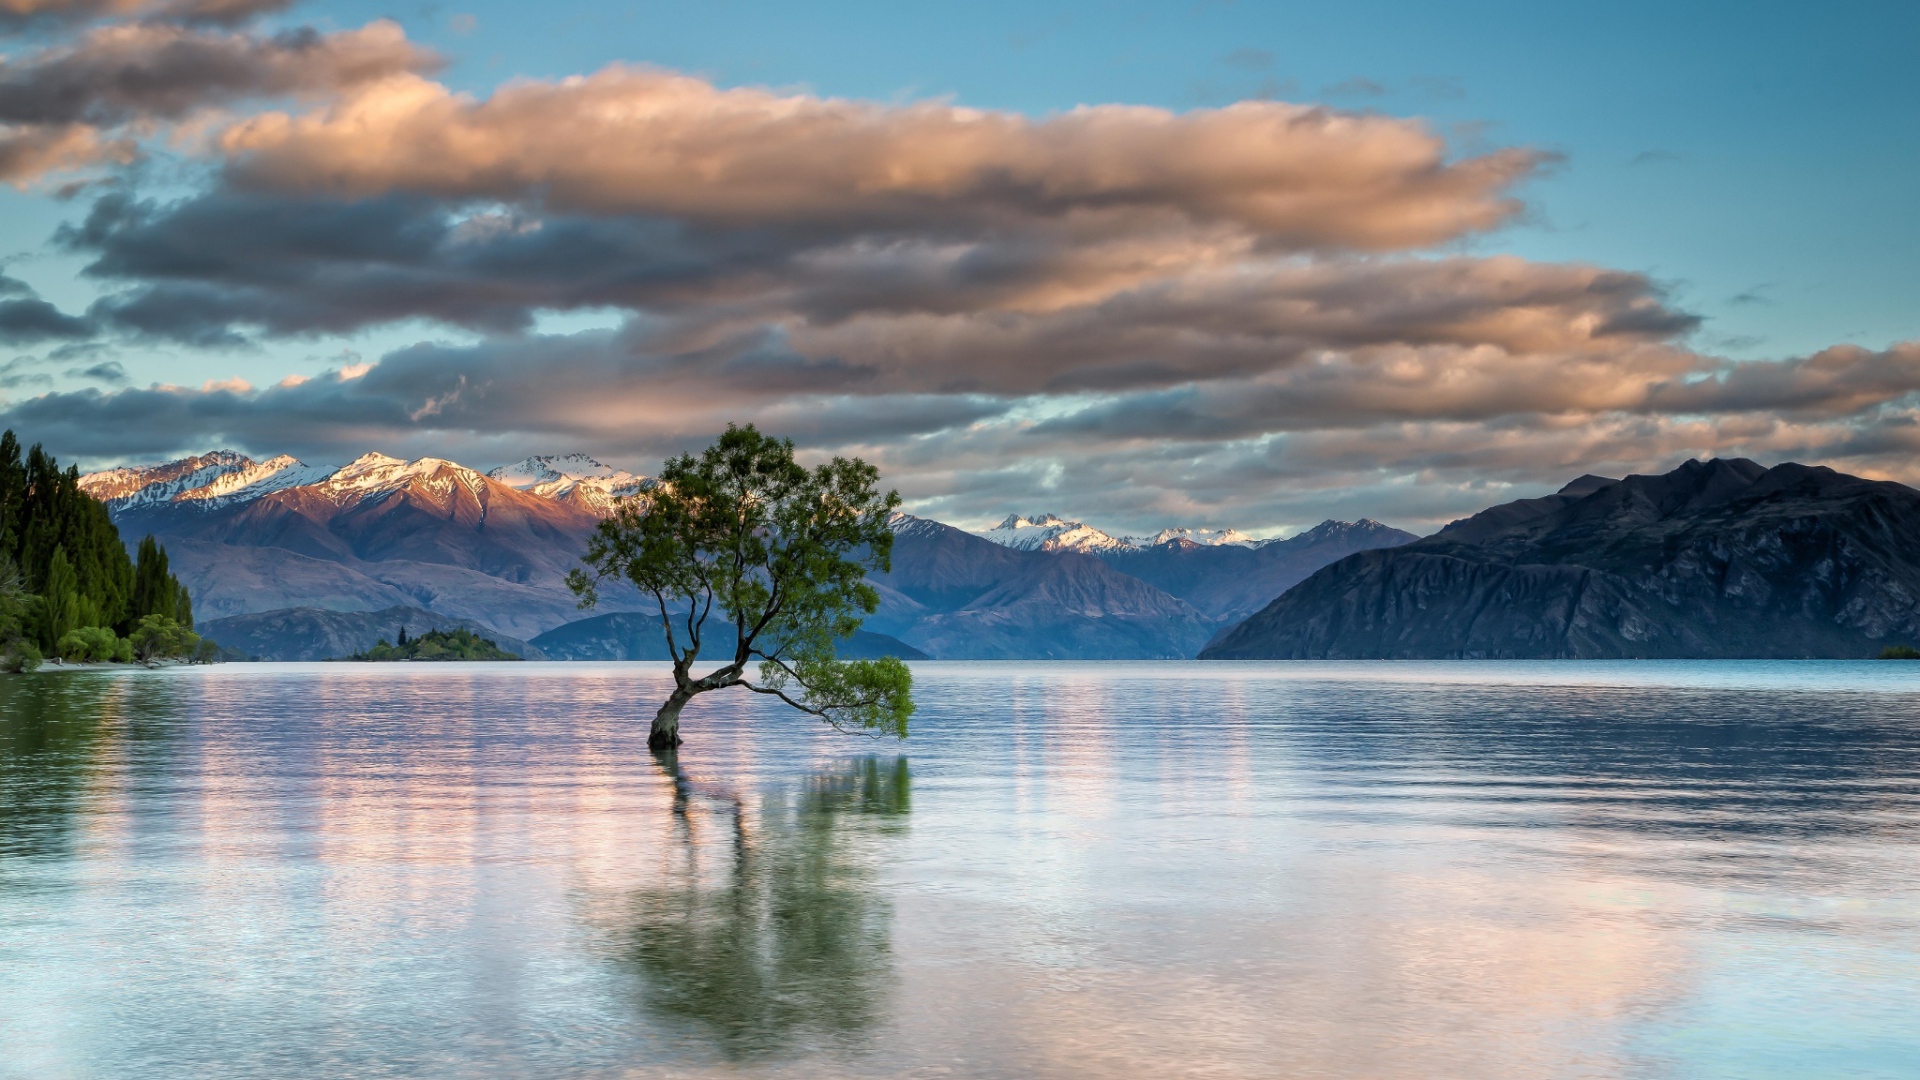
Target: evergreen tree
59,600
153,587
43,511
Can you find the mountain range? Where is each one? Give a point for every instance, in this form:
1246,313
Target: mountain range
269,548
1724,558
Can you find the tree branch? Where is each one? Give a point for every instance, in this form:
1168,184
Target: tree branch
823,714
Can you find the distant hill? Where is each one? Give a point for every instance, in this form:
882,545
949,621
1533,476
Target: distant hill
1724,558
440,646
318,634
630,635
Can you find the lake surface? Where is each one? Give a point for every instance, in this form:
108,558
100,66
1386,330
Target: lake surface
1070,870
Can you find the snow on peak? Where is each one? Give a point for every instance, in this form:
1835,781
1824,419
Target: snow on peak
546,468
1202,537
1050,533
571,478
905,524
371,475
146,485
254,480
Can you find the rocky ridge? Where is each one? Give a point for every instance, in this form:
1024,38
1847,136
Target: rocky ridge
1723,558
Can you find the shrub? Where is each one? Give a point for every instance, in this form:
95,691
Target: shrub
20,656
1900,652
88,643
158,636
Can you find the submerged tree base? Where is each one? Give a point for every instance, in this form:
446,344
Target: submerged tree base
666,725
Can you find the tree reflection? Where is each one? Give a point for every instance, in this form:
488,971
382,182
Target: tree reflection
787,945
49,736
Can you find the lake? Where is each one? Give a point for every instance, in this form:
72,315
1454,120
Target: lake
1069,870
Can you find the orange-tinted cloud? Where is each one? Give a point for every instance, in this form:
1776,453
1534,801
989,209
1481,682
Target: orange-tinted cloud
1214,316
225,12
642,141
72,104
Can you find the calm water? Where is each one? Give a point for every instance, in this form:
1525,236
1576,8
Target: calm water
1292,870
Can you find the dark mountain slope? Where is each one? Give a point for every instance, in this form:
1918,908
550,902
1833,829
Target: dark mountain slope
1229,582
1715,559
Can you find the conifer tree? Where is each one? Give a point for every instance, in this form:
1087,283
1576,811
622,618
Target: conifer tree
43,510
59,600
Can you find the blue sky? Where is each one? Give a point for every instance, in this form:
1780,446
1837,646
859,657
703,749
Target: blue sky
1746,168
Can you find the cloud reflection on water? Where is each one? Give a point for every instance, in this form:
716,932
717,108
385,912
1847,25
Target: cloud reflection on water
1107,870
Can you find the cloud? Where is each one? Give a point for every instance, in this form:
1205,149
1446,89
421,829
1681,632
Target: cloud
60,106
20,13
107,371
1401,433
115,74
1004,312
1245,315
28,152
631,141
26,319
19,372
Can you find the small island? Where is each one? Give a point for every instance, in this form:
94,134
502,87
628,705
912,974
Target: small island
437,645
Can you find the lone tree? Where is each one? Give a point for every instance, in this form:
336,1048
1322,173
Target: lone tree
780,554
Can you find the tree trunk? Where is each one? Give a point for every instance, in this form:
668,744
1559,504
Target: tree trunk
666,723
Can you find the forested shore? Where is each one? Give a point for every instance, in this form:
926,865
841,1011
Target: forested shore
68,588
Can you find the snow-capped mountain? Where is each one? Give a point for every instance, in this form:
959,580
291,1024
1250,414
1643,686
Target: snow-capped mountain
225,478
1052,533
1202,537
144,485
372,475
251,481
572,477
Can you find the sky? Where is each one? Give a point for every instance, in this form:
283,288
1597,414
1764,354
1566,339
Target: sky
1205,264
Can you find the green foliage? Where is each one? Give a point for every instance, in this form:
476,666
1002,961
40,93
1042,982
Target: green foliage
44,518
779,551
862,695
95,644
59,600
21,656
1900,652
17,651
159,637
438,645
155,590
208,652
